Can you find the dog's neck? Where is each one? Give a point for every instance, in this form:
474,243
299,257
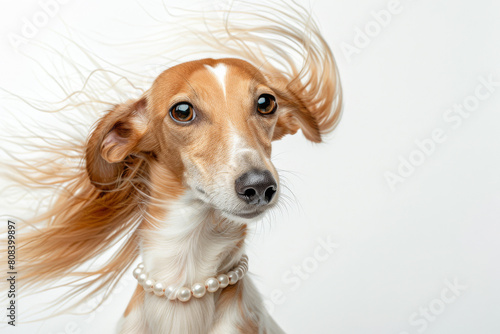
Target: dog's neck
190,243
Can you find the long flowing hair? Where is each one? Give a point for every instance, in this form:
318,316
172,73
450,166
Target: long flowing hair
86,238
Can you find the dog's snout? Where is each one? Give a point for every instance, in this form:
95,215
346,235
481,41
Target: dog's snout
256,187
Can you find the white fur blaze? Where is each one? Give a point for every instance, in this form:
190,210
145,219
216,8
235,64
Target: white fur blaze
220,72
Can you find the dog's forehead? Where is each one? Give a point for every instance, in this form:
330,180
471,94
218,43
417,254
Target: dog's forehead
210,81
234,65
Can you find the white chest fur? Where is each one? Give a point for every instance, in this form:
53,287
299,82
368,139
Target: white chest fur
188,245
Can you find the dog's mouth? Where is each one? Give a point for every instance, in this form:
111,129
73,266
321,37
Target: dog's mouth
243,214
249,214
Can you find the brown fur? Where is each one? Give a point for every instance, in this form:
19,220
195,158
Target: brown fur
231,295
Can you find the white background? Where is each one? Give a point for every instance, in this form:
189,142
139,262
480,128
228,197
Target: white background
396,247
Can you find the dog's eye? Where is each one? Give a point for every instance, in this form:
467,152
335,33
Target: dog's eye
182,112
266,104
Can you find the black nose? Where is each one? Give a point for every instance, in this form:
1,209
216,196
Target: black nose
256,187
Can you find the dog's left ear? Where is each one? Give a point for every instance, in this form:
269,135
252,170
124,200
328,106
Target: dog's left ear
312,104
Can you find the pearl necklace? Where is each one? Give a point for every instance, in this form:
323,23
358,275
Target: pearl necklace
198,290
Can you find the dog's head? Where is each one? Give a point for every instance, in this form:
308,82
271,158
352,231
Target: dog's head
209,123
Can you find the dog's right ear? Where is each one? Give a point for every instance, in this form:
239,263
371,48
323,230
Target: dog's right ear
116,136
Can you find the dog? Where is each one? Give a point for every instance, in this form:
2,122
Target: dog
177,175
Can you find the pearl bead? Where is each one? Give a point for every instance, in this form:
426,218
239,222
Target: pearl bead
212,284
142,278
140,266
170,292
198,290
233,277
158,289
235,273
239,272
148,285
184,294
137,272
223,280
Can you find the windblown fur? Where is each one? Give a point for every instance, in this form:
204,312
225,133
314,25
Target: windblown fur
80,221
